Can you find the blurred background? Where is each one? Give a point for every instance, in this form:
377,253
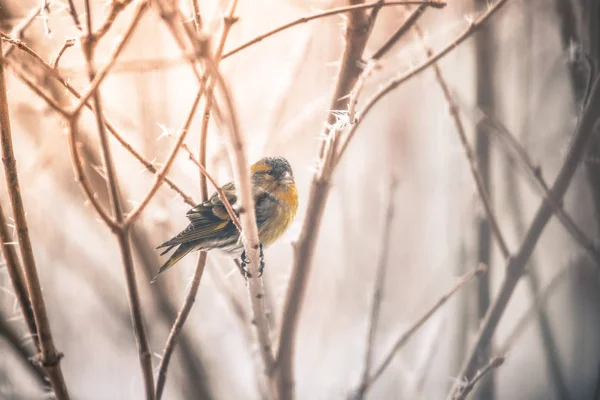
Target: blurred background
525,67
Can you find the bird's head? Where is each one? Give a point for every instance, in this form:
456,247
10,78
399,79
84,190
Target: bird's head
272,173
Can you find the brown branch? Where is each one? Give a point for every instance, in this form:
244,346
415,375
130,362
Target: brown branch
535,174
49,356
55,74
380,279
329,13
490,366
23,25
15,273
116,7
73,12
89,45
68,43
228,20
371,64
356,36
191,296
404,338
121,230
188,302
218,189
516,264
468,150
197,17
394,83
161,174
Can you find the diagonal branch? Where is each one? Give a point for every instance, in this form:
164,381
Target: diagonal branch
516,265
394,83
491,365
404,338
334,11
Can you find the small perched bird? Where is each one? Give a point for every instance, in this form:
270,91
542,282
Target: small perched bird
275,204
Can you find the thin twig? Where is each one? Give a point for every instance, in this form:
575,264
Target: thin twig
15,273
49,356
404,338
535,173
218,189
379,280
141,8
73,12
372,62
394,83
188,302
469,152
516,264
122,230
197,17
162,173
329,13
68,43
490,366
228,20
22,26
55,74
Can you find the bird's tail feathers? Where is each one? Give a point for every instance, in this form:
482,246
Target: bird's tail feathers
181,251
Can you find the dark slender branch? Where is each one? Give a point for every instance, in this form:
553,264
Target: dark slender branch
516,265
356,35
15,273
535,174
404,338
188,302
49,356
379,280
121,230
73,12
489,367
404,28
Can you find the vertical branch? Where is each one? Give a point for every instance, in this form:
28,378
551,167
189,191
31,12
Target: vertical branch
356,35
485,100
49,356
229,19
190,298
120,229
380,279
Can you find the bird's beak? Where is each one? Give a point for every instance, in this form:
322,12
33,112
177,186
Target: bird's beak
287,178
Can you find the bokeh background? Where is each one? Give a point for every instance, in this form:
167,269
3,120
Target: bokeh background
524,67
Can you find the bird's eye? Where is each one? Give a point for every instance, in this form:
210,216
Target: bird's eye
270,172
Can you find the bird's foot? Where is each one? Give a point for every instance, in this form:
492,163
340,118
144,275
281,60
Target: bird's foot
244,259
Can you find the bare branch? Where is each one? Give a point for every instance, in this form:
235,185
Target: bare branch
188,302
49,356
380,279
329,13
15,273
394,83
404,338
68,43
493,364
121,230
516,264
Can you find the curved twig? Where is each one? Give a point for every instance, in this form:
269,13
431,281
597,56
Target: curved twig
329,13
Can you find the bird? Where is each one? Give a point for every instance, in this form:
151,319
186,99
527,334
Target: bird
210,225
